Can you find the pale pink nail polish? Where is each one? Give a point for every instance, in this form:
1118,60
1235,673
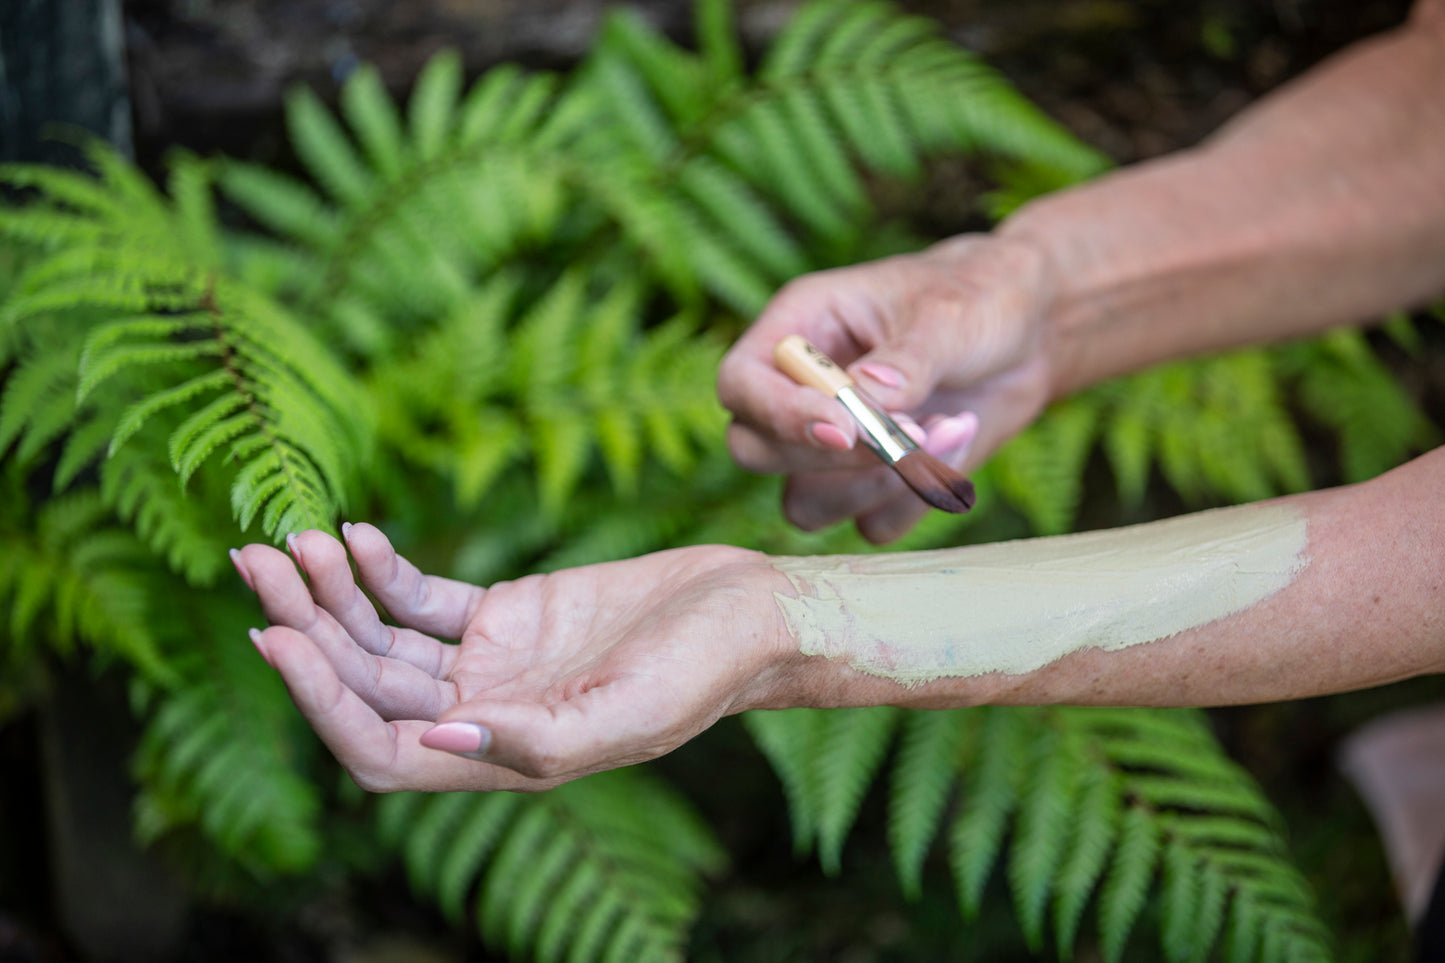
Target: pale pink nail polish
951,434
886,376
235,554
461,738
830,436
255,635
910,428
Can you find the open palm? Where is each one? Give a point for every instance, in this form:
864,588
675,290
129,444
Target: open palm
552,676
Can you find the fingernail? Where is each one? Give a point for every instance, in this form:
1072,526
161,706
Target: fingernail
830,436
235,554
255,635
911,428
951,434
461,738
346,531
881,373
293,547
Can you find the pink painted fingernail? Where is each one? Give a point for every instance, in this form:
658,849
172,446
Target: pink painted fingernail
830,436
951,434
911,428
884,375
255,635
235,554
461,738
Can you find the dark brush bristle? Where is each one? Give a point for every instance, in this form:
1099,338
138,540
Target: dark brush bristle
935,482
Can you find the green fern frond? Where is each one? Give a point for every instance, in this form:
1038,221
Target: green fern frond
826,760
1126,887
283,204
190,186
575,377
788,737
38,401
1041,470
604,868
733,213
976,834
717,43
324,148
223,754
1344,384
286,411
431,112
652,84
373,117
848,755
402,228
1218,428
1110,803
70,576
921,781
1041,832
138,483
1095,829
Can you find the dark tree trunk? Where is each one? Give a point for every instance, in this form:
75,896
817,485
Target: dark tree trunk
62,78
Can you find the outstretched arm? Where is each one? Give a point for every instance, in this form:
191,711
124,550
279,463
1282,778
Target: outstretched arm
1323,204
560,675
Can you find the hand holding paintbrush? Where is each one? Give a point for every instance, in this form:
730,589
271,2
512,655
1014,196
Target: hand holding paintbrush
936,483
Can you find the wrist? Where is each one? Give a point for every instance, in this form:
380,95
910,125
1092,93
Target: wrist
766,661
1057,229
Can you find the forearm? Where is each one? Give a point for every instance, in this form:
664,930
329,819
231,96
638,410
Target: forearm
1312,594
1324,204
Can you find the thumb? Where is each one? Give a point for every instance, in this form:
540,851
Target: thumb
900,374
551,743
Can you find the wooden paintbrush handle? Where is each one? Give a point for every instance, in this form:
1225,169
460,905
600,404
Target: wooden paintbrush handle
797,358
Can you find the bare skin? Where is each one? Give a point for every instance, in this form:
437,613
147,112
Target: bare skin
608,665
1324,204
1321,205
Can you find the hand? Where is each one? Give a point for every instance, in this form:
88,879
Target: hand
553,677
943,336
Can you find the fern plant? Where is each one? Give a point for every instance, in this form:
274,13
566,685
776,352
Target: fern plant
489,319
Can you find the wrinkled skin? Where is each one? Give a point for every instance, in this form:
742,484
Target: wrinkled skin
569,673
960,328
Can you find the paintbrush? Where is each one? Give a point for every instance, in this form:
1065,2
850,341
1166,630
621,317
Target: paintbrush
935,482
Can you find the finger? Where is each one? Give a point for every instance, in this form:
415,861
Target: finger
440,606
325,562
758,451
947,439
815,500
599,729
381,756
395,689
759,395
782,413
950,438
891,520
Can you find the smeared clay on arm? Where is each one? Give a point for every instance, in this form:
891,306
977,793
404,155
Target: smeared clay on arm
1015,607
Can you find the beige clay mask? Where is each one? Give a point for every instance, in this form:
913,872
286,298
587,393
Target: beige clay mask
1014,607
